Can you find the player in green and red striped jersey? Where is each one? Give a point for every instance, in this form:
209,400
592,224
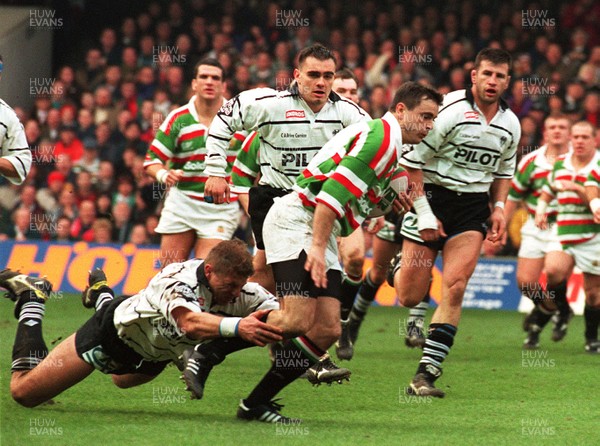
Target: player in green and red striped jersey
540,249
176,158
578,233
332,197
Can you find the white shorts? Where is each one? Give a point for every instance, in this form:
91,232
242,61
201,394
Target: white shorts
536,243
210,221
288,230
586,255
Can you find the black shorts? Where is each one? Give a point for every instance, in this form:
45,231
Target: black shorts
98,344
291,279
260,200
458,211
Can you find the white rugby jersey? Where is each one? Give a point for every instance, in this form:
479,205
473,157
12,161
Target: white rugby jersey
290,132
145,322
463,152
13,144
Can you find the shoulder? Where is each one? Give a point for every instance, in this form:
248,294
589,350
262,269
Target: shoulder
7,113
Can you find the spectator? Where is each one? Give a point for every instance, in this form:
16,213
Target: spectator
84,188
146,83
81,229
151,224
68,144
121,212
86,129
125,191
105,178
24,226
104,206
63,230
51,129
111,50
32,133
130,65
67,204
102,230
138,235
49,196
105,109
92,74
72,90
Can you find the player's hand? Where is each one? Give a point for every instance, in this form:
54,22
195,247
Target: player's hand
403,203
217,190
498,226
541,221
173,177
252,329
431,235
567,185
375,225
315,264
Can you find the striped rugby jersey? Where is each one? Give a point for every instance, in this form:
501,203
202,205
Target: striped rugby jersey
463,152
246,168
593,178
575,220
529,178
290,132
180,143
145,323
13,143
352,172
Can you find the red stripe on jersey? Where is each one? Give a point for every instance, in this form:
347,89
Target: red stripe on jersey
241,173
319,200
347,184
595,175
383,147
516,187
192,135
194,179
527,163
231,158
183,159
248,142
582,221
337,158
308,174
353,223
570,200
354,141
158,153
542,174
240,136
576,242
387,169
185,111
305,200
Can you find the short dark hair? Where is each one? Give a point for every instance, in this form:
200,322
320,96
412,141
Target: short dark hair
232,258
346,73
208,61
412,93
493,55
316,50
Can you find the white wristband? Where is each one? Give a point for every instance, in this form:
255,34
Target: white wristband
425,217
540,209
595,205
228,327
499,204
162,175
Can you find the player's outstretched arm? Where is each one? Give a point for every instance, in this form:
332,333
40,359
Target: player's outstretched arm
203,326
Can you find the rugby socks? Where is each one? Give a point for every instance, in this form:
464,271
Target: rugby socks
216,350
350,287
591,316
366,295
291,361
540,317
419,311
558,294
437,346
29,348
104,298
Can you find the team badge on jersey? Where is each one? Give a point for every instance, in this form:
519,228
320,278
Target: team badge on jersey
471,115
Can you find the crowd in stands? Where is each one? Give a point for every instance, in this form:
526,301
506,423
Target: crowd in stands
89,133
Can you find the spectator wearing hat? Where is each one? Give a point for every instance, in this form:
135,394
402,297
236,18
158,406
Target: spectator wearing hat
48,197
68,144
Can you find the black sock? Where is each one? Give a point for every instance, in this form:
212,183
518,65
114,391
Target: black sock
558,293
366,295
290,362
420,310
29,348
540,317
217,349
591,316
437,346
350,287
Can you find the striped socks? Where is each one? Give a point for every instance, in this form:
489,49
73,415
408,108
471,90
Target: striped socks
366,295
437,346
29,348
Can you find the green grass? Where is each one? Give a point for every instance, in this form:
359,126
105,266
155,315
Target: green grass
492,398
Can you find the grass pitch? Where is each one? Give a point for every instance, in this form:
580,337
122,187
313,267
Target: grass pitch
496,394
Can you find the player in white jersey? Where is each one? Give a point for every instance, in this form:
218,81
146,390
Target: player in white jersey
292,125
135,338
578,231
15,156
541,249
460,171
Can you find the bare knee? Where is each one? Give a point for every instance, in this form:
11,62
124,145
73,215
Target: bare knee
354,265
